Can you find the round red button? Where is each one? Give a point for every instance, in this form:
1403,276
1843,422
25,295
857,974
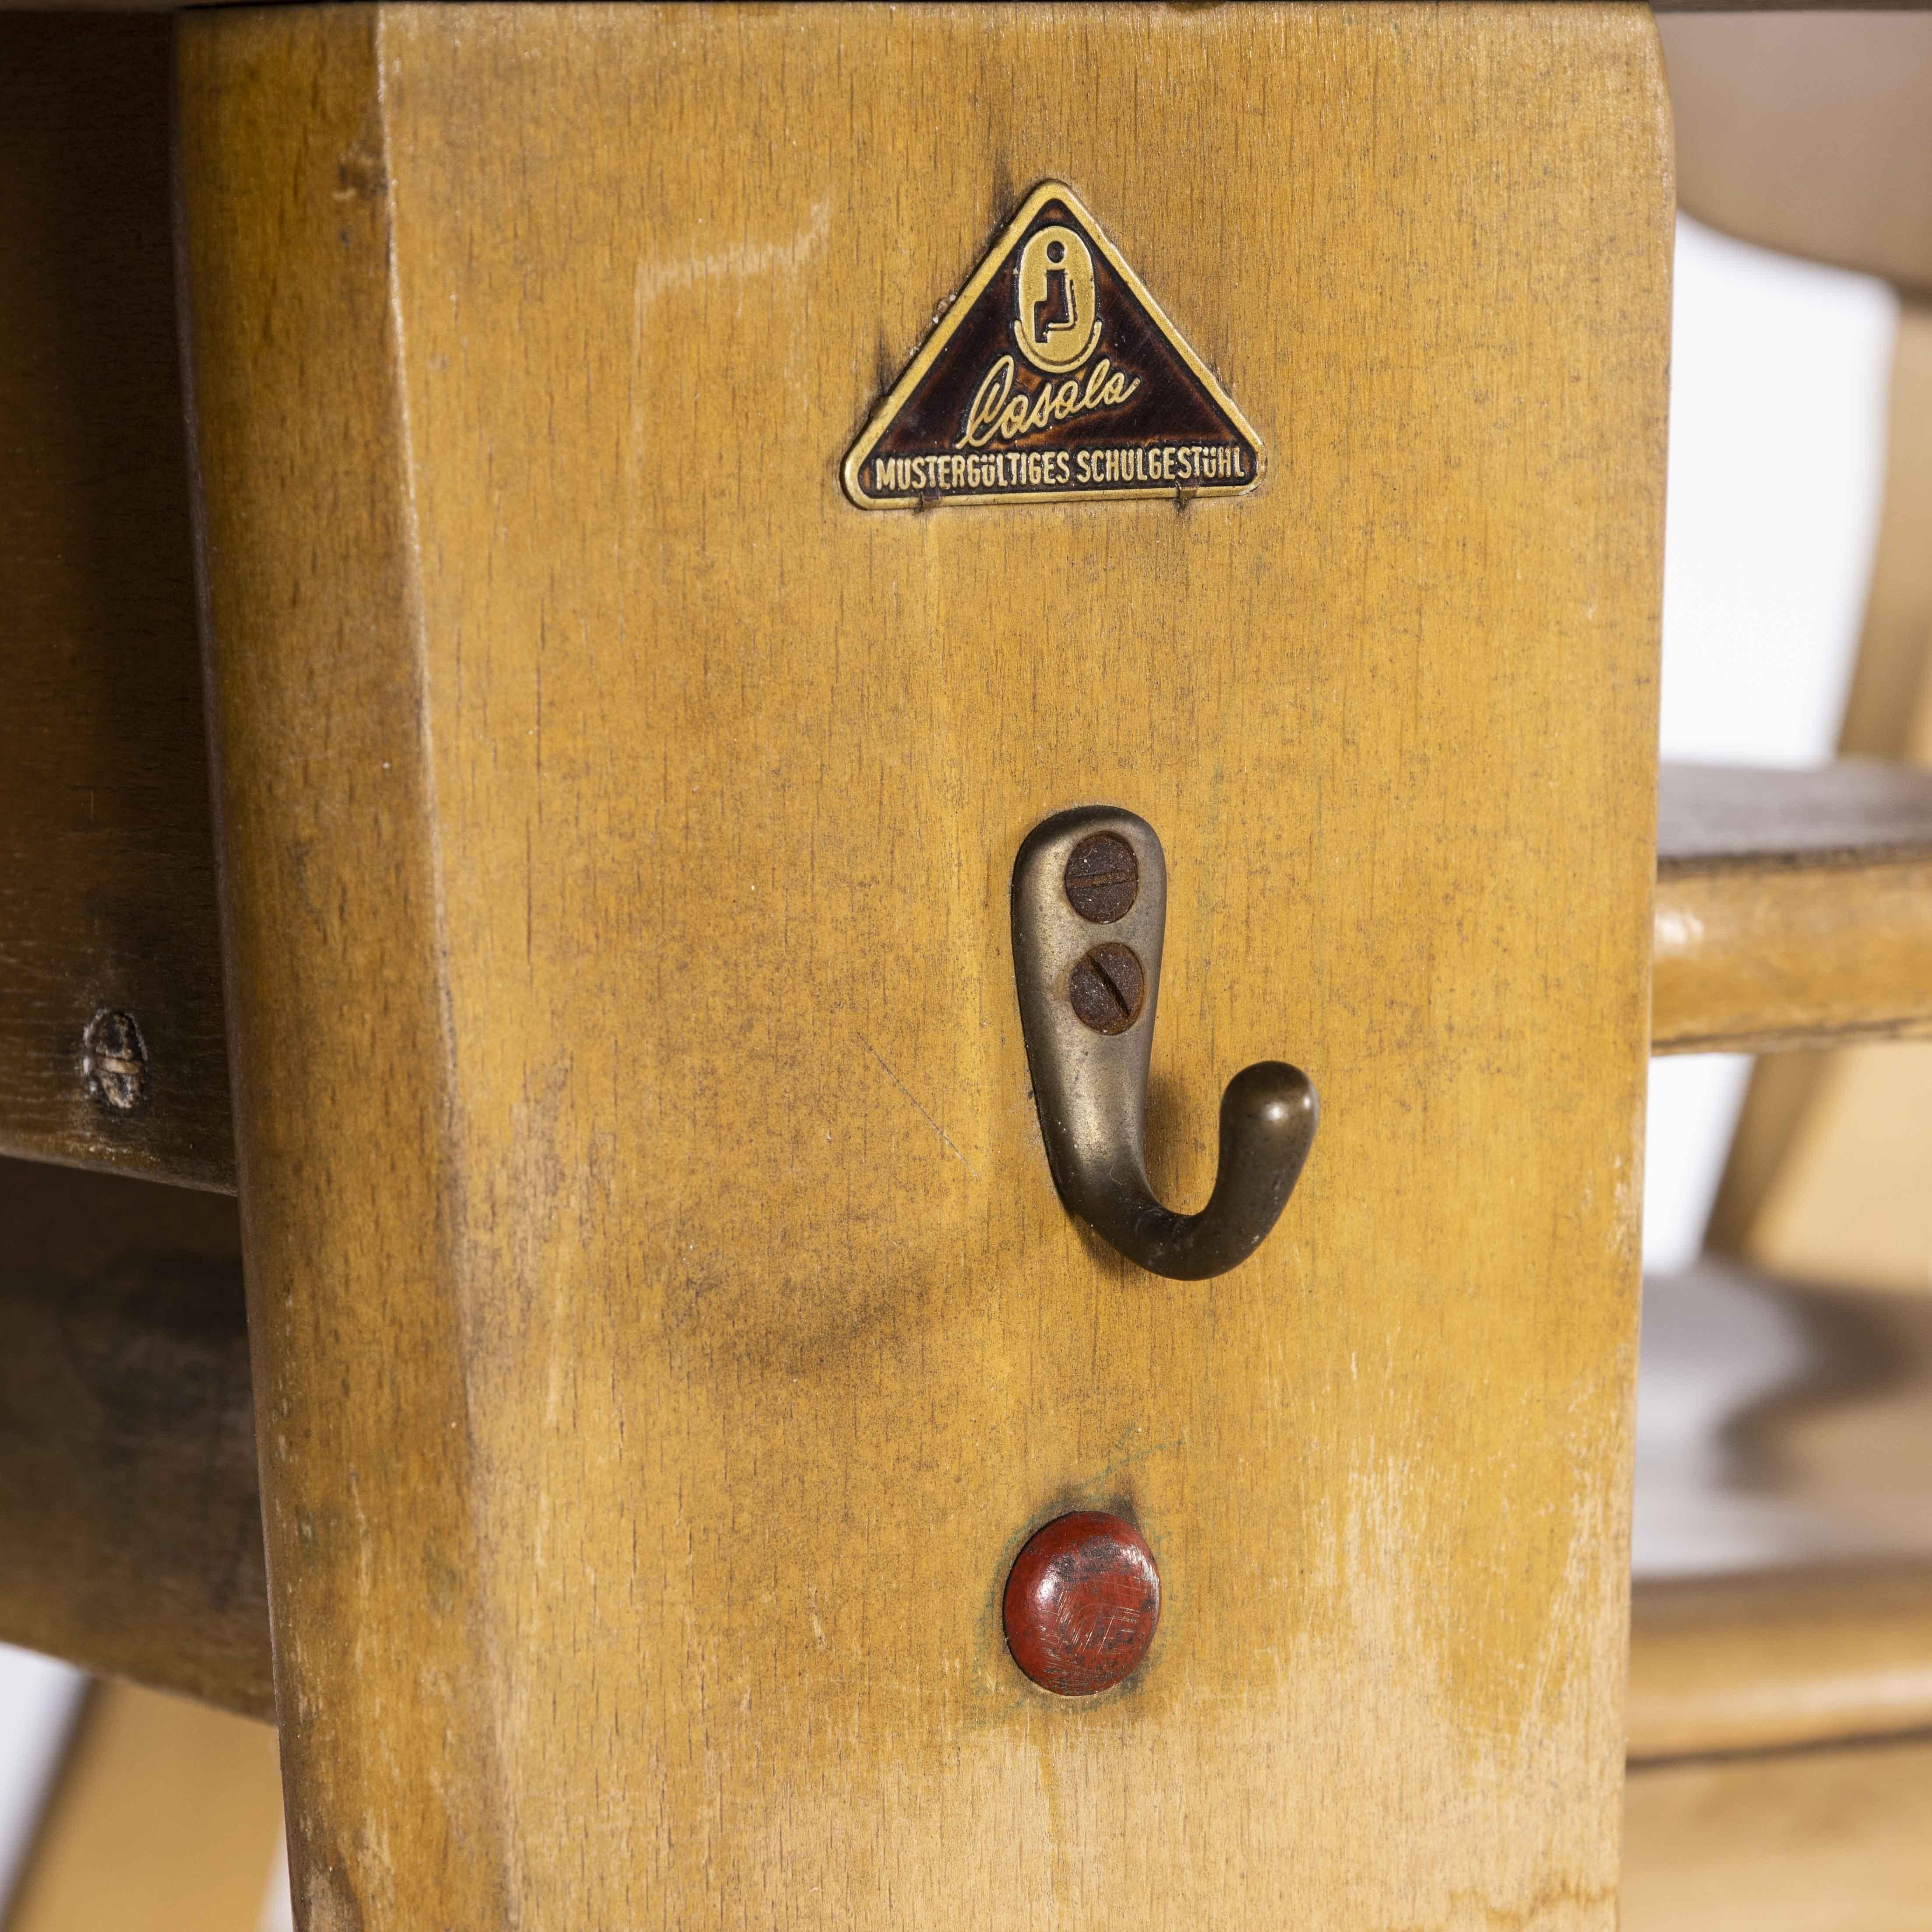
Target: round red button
1082,1604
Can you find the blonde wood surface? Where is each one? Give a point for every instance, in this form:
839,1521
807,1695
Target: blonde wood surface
130,1529
166,1817
1826,1176
1765,962
106,856
1810,133
665,1329
1804,1841
1793,908
1746,1662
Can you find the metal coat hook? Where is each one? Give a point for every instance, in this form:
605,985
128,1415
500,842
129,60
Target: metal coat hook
1090,909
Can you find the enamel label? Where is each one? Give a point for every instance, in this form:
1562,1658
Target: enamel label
1054,377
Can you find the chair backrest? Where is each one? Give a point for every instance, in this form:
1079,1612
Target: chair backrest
1809,132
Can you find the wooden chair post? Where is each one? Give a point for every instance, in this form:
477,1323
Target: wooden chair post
665,1330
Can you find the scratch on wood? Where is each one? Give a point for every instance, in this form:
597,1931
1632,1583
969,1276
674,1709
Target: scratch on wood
922,1114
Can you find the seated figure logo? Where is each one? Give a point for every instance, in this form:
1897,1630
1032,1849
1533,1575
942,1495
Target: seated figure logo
1056,324
1055,377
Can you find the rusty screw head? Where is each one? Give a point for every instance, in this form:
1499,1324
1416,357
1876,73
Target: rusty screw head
1103,878
114,1062
1107,988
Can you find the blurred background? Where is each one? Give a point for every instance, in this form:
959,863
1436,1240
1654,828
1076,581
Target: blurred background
121,1808
1780,372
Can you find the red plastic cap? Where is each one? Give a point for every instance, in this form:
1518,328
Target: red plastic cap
1082,1604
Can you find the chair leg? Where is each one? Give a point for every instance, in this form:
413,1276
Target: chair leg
666,1331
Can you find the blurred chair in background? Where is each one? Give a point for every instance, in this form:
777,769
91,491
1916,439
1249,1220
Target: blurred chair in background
1776,1780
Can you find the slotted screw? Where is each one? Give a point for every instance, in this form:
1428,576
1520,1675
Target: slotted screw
1103,878
1106,989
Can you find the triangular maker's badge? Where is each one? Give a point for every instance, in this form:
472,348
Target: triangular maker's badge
1053,378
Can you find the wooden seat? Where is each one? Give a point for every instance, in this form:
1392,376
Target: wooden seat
1794,909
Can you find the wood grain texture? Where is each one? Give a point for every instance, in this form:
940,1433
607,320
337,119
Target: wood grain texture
666,1332
1793,908
1793,1842
106,856
1810,134
1660,7
1784,1657
166,1818
129,1512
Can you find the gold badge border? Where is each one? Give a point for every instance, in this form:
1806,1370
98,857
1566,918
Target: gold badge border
990,265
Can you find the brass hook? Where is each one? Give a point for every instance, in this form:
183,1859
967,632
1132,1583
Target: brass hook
1090,909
